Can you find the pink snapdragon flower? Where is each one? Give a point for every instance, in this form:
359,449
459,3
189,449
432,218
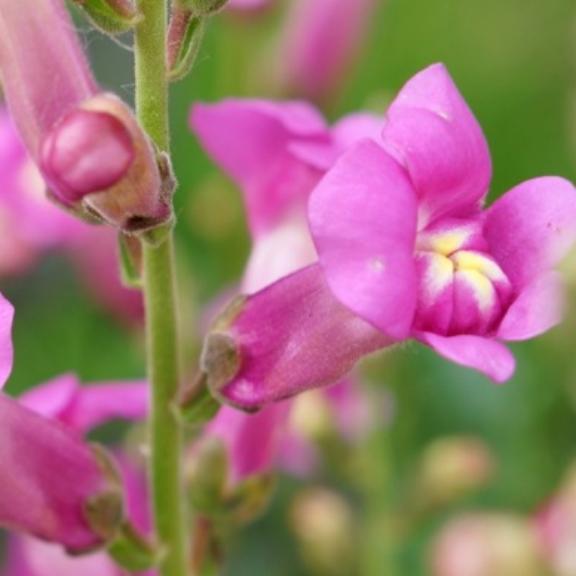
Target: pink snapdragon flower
87,143
319,42
404,251
81,409
276,152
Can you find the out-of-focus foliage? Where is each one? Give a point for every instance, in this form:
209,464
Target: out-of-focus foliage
515,62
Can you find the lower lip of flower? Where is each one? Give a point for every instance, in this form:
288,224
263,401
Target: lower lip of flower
462,288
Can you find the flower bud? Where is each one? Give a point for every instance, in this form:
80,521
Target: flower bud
97,158
87,144
487,545
250,498
207,475
451,467
185,36
323,523
86,152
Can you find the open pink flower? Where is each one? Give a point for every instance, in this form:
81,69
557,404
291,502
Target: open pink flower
405,251
276,152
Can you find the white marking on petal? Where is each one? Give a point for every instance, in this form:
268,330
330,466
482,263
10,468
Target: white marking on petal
482,288
439,274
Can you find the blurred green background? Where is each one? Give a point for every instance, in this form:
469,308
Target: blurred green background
514,61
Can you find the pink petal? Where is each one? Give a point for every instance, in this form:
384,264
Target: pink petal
435,307
487,356
432,132
251,439
355,127
32,557
251,140
532,227
87,407
363,221
54,398
6,350
537,309
101,403
346,133
289,337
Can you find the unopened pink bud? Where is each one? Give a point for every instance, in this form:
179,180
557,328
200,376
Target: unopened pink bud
86,152
95,157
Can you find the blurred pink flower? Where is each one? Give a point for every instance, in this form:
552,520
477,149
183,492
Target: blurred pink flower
404,251
31,223
320,41
556,528
276,152
486,544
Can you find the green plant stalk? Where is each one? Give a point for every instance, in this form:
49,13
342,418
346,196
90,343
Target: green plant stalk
161,315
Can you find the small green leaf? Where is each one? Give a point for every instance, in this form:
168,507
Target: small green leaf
130,252
184,40
132,551
203,7
111,16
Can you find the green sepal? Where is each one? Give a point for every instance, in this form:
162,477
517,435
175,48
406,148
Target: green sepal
197,405
132,551
185,41
203,7
207,476
130,253
110,16
251,497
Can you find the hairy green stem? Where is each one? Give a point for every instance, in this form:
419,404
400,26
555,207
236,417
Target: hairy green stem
161,316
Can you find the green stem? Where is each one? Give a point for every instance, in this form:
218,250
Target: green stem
161,317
